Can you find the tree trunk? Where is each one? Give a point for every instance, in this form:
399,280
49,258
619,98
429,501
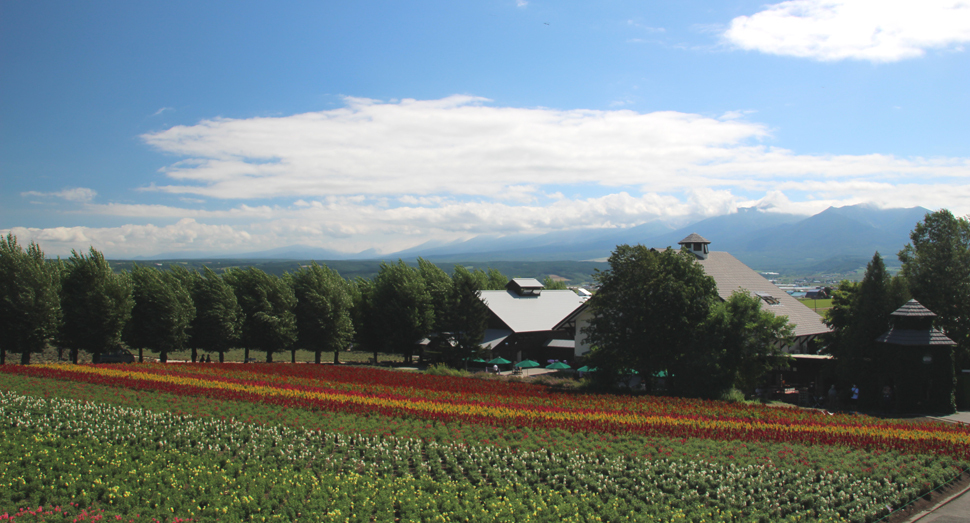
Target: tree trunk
3,356
292,355
96,357
163,356
74,356
375,356
336,357
316,356
195,354
25,357
222,357
141,355
246,355
269,356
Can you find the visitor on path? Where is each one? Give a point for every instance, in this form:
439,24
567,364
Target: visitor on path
833,398
854,400
495,368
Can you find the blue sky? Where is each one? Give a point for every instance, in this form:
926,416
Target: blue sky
222,127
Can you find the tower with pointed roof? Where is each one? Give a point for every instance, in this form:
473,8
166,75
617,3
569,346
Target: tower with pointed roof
697,245
921,361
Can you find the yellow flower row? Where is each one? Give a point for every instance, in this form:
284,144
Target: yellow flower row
525,415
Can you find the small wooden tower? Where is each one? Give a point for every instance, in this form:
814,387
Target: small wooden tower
697,245
923,375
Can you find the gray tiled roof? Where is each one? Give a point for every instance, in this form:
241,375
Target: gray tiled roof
531,313
495,337
915,337
694,238
731,275
913,308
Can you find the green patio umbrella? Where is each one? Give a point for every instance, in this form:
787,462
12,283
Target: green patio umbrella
584,368
499,361
558,366
478,360
527,364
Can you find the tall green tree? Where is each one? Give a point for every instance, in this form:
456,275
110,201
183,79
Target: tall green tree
936,264
742,344
96,305
323,310
649,312
440,289
267,302
467,318
367,334
496,280
400,309
162,313
30,309
860,313
218,322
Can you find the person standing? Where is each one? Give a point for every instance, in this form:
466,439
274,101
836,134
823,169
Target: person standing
854,399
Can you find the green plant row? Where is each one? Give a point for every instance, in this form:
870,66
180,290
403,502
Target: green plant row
127,451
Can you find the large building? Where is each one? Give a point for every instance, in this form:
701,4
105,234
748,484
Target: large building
525,321
731,275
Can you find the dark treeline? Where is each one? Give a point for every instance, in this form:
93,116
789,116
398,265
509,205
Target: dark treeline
655,312
81,304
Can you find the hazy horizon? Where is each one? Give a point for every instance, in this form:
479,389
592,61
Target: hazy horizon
234,127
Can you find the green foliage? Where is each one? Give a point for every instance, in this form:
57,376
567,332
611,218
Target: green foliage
496,280
30,308
468,317
323,310
267,302
162,313
936,265
553,285
440,288
96,304
218,322
859,314
399,311
648,313
657,311
744,344
443,369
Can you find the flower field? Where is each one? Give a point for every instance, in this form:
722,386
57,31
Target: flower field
285,442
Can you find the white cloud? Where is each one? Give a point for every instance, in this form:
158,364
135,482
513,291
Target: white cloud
134,240
461,146
76,194
393,175
162,110
873,30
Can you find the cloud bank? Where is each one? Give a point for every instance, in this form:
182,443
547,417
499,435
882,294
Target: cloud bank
872,30
391,175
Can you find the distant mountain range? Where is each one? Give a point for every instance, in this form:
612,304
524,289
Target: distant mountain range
838,239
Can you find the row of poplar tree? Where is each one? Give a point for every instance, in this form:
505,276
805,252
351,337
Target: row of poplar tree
81,304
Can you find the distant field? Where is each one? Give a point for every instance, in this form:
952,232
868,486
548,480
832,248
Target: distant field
817,305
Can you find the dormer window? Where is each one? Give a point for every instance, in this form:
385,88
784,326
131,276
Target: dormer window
768,298
525,286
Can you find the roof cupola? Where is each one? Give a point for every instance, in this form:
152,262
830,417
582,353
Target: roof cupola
697,245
